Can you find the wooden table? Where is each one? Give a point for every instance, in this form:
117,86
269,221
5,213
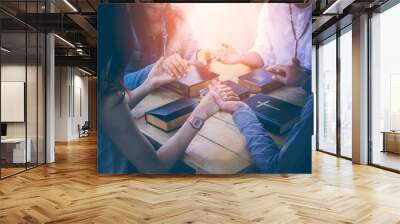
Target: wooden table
218,148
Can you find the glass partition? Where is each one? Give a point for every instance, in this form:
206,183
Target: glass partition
22,88
14,145
327,96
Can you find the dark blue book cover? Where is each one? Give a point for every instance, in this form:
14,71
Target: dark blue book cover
259,81
241,91
172,115
276,115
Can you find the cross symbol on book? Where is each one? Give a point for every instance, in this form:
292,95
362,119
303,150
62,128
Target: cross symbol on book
265,103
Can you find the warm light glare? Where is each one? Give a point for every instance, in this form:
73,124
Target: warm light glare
213,24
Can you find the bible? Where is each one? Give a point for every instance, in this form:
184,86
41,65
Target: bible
198,77
241,91
259,81
276,115
172,115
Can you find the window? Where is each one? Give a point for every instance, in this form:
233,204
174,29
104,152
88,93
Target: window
327,96
385,85
346,93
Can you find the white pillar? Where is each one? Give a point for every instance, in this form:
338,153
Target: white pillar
360,90
50,93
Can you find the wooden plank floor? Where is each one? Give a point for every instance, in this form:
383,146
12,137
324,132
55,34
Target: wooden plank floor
70,191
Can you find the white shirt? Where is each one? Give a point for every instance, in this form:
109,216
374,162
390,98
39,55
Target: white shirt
275,42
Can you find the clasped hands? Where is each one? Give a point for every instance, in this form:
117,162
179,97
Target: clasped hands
219,97
167,70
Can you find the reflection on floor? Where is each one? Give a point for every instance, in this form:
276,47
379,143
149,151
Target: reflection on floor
386,159
8,170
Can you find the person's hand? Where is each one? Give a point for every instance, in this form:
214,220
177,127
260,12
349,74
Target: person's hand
175,65
207,107
290,75
228,54
204,56
158,77
227,100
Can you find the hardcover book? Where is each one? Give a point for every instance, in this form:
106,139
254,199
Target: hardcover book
276,115
172,115
259,81
198,77
241,91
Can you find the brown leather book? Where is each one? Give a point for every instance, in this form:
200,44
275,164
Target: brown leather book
196,79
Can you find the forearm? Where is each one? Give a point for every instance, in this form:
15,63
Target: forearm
137,83
176,146
260,145
136,95
251,59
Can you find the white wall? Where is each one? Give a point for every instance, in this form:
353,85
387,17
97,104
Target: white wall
71,94
16,73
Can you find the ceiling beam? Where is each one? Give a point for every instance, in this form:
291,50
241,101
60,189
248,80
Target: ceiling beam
81,61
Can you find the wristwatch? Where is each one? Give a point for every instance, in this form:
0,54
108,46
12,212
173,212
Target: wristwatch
196,122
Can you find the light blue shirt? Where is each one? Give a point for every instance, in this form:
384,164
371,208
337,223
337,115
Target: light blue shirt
295,154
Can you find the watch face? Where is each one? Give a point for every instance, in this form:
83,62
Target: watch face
197,122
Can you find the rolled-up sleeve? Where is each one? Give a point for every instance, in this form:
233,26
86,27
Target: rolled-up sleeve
261,147
262,45
134,79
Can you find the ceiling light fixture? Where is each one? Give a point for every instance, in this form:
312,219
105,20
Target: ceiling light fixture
70,5
338,6
5,50
65,41
84,71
